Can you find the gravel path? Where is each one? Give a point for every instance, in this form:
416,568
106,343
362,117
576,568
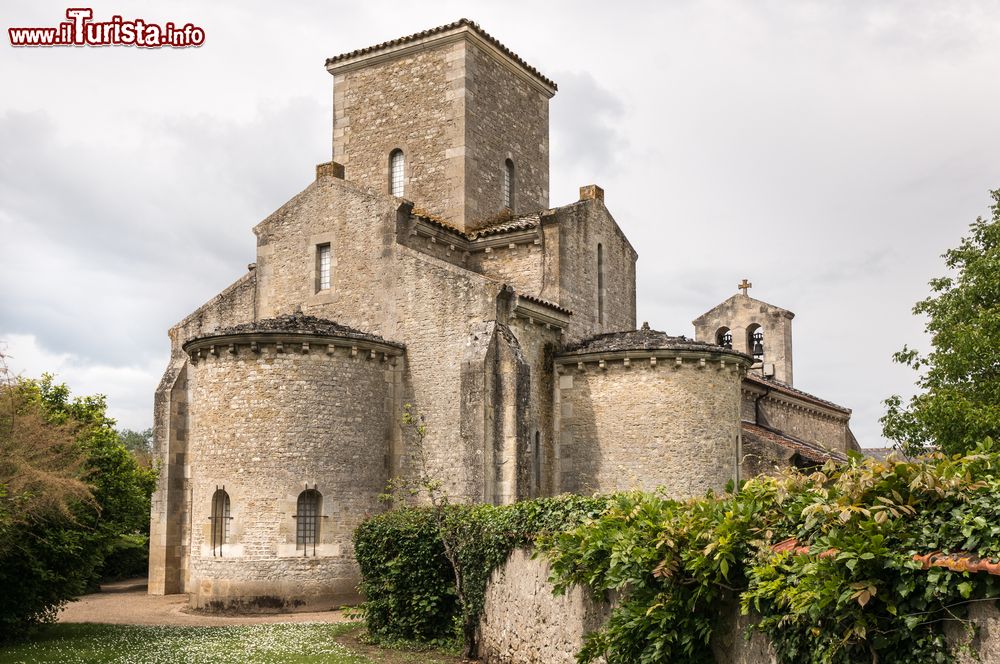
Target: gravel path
127,603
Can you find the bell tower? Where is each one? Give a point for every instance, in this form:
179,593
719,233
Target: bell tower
751,326
448,118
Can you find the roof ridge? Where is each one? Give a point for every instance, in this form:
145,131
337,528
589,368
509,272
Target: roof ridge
430,32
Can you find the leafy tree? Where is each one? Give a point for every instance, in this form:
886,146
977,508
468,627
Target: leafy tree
959,403
71,496
139,443
41,463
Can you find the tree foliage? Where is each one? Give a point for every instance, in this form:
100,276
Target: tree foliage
856,593
959,400
71,495
41,463
852,591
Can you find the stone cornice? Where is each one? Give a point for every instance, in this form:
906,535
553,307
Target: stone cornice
289,342
654,357
794,402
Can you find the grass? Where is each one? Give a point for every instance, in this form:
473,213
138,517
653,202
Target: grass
69,643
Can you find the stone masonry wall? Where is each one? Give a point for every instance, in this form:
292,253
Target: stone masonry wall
360,228
582,227
642,426
169,517
507,119
520,266
807,424
438,309
266,426
385,288
416,104
524,623
537,478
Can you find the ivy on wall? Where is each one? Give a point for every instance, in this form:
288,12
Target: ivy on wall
851,590
406,578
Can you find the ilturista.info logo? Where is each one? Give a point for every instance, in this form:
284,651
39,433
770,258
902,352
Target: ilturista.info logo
82,30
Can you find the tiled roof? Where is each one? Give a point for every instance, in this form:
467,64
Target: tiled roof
644,339
437,221
517,224
462,22
778,386
546,303
811,451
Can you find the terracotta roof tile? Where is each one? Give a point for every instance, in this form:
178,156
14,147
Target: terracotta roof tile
522,223
551,305
462,22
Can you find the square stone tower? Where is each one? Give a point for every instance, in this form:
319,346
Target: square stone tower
448,118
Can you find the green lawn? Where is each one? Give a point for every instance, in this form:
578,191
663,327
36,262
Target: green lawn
131,644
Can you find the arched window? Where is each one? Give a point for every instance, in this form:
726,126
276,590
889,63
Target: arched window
396,164
220,520
724,337
600,283
755,342
307,515
508,184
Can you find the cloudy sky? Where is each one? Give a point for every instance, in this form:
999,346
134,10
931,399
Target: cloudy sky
828,151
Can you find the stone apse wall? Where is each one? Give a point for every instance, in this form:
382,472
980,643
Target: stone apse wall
647,419
270,417
524,623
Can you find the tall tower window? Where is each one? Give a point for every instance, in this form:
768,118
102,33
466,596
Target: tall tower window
600,283
508,184
307,521
396,164
322,266
220,520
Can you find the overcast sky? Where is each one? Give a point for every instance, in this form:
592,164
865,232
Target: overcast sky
827,151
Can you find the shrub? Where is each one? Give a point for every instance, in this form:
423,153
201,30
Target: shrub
851,591
408,582
856,593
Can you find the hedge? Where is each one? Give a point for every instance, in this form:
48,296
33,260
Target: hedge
408,582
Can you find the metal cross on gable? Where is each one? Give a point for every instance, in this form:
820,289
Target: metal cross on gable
744,286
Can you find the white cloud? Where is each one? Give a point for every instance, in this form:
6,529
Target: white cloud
828,151
128,387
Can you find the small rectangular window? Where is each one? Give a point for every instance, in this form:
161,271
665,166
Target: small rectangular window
322,267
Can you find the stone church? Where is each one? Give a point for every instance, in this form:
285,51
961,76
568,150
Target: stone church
424,265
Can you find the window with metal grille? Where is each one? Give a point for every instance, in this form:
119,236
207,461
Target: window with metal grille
307,521
396,164
322,267
508,184
220,520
